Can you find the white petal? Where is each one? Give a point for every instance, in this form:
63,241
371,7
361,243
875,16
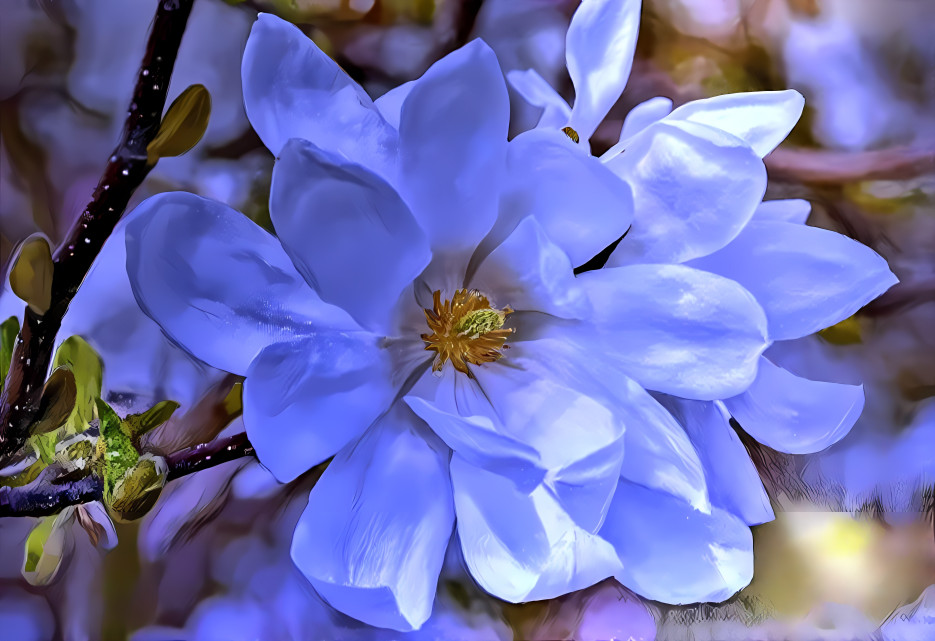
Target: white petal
694,189
673,553
523,546
452,147
793,210
762,119
805,278
216,283
643,115
347,231
793,414
373,537
582,206
304,400
529,272
599,51
293,90
535,90
733,481
677,330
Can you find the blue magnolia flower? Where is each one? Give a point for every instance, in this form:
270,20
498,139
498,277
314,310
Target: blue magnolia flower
418,318
698,183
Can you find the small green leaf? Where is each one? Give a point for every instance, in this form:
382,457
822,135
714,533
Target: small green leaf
35,543
183,125
45,446
75,354
139,424
8,331
57,401
31,276
119,453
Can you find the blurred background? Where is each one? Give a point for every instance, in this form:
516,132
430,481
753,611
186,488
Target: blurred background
851,554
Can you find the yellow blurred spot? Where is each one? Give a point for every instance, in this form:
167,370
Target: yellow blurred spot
847,332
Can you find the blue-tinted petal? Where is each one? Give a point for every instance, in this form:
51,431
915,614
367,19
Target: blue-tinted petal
293,90
733,481
793,414
216,283
762,119
645,114
677,330
793,210
805,278
530,272
694,189
347,231
452,147
305,399
373,537
673,553
523,546
599,49
536,91
582,206
390,104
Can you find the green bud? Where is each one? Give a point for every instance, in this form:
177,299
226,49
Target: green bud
31,276
78,356
135,493
183,125
8,331
57,401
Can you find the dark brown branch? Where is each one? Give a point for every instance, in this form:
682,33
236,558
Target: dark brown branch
125,171
201,457
43,496
49,494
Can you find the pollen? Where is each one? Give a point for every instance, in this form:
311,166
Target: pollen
466,330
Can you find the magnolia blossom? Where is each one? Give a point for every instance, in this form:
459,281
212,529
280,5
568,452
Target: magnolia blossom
418,317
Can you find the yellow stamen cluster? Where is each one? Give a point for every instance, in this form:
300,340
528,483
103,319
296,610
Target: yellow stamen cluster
465,330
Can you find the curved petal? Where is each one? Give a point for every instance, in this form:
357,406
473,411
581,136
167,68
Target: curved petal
347,231
645,114
216,283
458,412
293,90
673,553
374,534
793,414
390,104
599,49
694,189
305,399
733,481
762,119
792,210
657,451
452,147
582,206
677,330
523,546
805,278
529,272
535,90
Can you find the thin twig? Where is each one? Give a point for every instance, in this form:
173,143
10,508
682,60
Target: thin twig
49,494
819,166
125,171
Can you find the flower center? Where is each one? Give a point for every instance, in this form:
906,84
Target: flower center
465,330
571,133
